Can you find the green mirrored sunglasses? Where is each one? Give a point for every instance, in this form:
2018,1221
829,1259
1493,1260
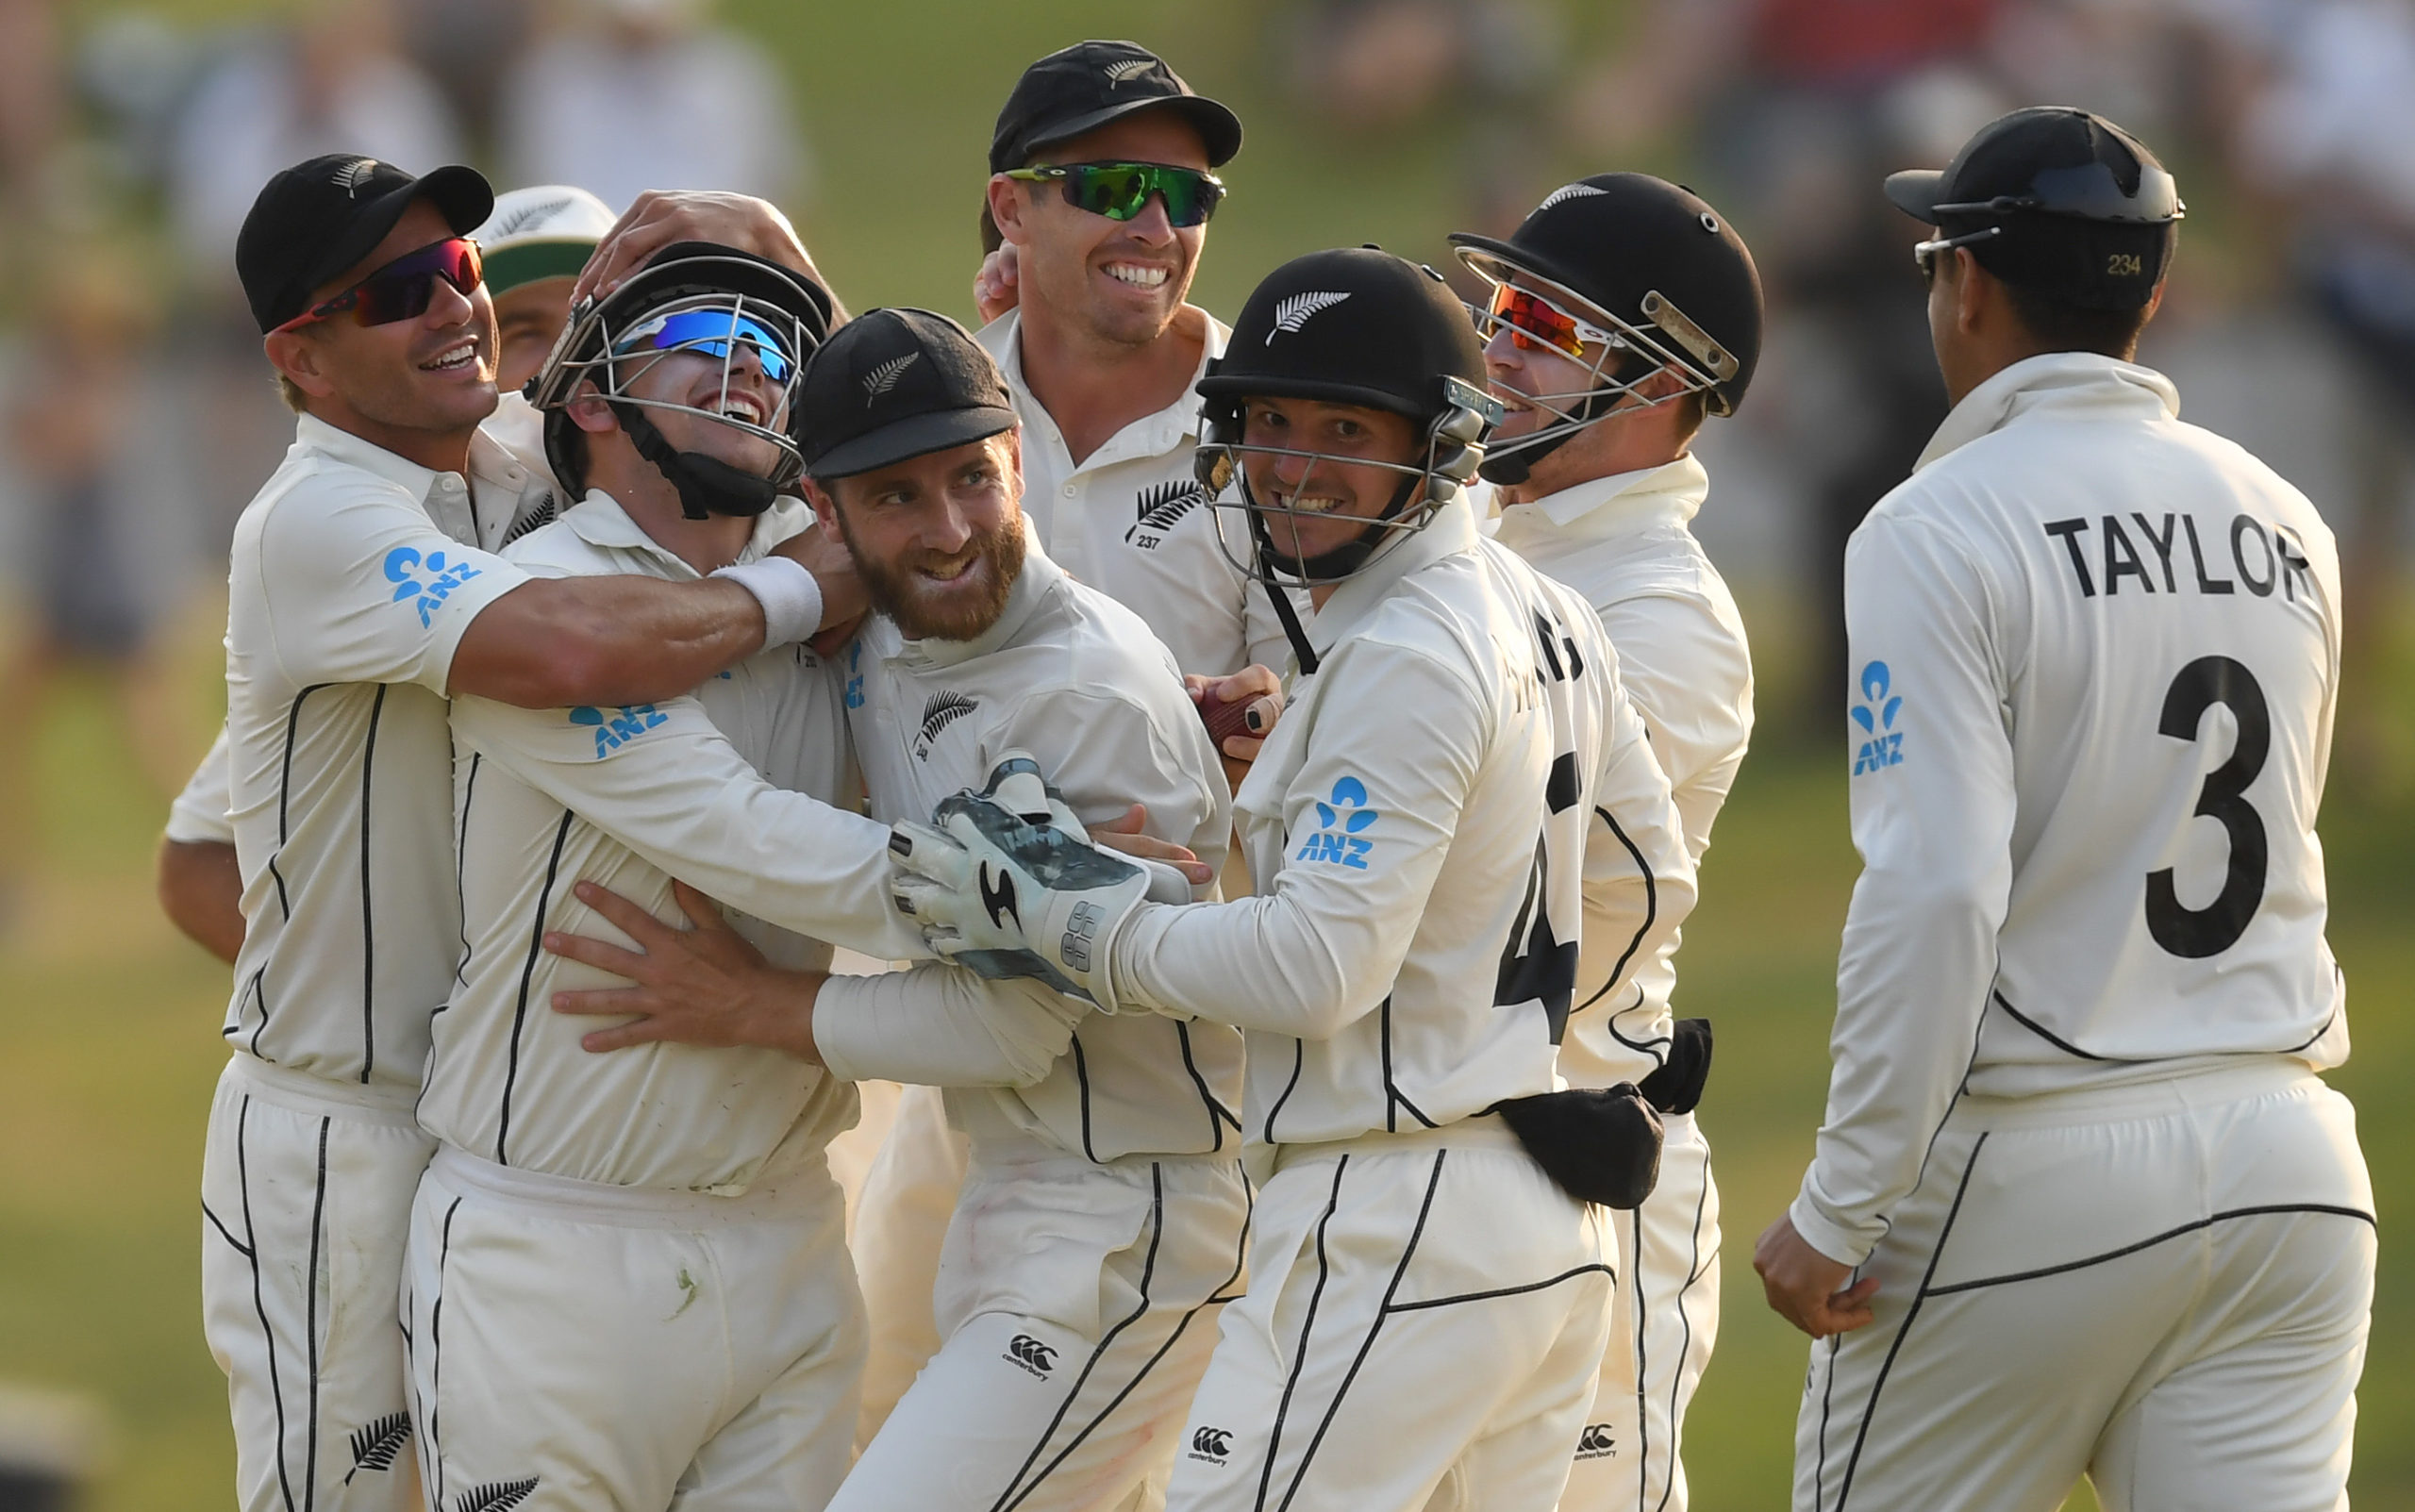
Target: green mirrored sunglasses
1122,190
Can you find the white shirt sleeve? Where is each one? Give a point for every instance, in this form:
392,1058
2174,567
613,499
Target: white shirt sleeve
1639,876
1933,807
942,1026
662,780
1692,679
198,817
361,586
1318,946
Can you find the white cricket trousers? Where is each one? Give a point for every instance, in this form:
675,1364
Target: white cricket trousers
1077,1304
1426,1317
1663,1323
2164,1286
606,1348
904,1206
306,1195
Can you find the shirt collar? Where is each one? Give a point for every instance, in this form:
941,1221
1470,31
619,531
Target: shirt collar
1451,529
600,521
1033,587
1175,426
2063,381
351,450
1673,491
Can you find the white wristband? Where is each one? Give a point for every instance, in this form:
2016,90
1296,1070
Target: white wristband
791,599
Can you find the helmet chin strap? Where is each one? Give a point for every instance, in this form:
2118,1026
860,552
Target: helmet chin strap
1508,463
707,486
1328,566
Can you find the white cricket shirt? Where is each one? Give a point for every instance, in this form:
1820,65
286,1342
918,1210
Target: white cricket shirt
503,515
1421,826
1074,678
1623,542
2095,658
352,579
507,1077
1133,522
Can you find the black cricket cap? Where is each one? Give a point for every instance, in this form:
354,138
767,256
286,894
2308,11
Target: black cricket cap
1084,87
892,384
318,218
1356,325
2080,209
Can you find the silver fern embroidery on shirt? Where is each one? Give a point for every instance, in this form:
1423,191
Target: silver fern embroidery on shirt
1161,506
941,711
1293,310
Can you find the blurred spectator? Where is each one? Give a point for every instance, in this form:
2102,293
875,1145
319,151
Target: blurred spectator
468,47
640,94
333,83
106,527
1488,67
2324,136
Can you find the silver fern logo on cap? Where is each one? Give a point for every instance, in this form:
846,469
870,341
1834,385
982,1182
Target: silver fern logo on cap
1124,71
348,179
884,377
1569,192
1293,310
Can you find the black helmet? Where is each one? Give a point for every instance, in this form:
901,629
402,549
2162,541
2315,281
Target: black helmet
2057,199
1651,266
693,296
1355,326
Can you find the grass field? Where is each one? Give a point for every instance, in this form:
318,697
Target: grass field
109,1044
109,1049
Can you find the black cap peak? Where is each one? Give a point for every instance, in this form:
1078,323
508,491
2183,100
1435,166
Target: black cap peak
893,384
317,218
1081,87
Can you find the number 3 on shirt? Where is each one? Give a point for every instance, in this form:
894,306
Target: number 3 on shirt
2196,933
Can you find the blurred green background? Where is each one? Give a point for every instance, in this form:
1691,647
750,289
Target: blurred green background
108,1041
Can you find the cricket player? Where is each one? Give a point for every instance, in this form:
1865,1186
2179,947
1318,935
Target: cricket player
358,599
1624,310
1427,1306
1102,184
533,246
2081,1203
1105,1210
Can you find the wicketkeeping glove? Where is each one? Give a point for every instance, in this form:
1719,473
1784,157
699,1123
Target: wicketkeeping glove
1006,881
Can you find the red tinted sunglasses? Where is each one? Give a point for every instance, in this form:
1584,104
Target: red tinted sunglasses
402,289
1535,322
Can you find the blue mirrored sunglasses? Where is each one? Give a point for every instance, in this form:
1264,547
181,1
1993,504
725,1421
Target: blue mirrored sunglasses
710,332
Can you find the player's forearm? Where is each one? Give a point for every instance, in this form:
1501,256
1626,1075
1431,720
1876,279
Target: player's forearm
942,1026
201,888
604,641
1257,963
1912,980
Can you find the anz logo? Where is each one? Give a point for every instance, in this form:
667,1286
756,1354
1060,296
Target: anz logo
1336,839
430,579
1161,506
1882,744
855,675
618,728
1031,1354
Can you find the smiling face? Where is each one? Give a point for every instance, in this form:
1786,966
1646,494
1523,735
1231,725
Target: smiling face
431,374
528,319
669,386
1342,489
936,538
1119,281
